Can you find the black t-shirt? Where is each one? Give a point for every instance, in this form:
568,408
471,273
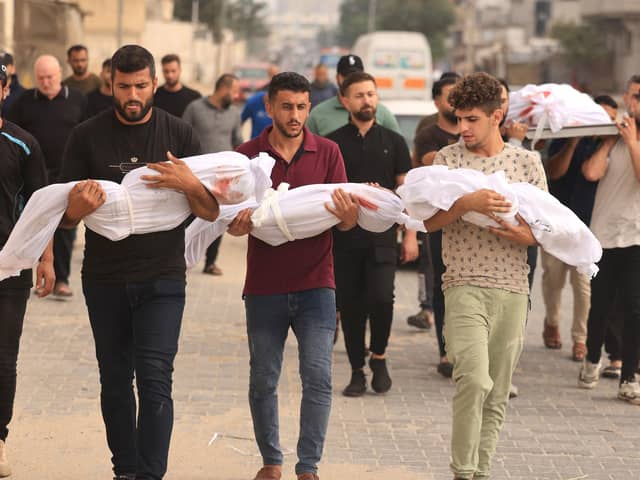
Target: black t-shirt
22,172
95,150
174,102
432,139
98,102
50,121
379,156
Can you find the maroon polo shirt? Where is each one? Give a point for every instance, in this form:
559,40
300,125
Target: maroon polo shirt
301,264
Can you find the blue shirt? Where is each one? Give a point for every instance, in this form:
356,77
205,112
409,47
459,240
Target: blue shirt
255,109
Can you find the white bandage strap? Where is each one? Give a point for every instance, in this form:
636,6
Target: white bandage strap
130,208
271,202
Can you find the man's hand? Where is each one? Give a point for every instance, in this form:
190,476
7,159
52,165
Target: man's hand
409,248
241,225
520,233
628,130
488,202
174,174
344,208
516,130
45,274
84,198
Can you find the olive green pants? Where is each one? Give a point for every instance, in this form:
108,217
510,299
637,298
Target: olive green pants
484,333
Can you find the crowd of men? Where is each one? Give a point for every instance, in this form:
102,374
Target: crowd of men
474,282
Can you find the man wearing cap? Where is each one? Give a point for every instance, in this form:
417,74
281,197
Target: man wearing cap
21,173
330,115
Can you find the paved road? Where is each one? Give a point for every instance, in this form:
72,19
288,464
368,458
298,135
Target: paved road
553,430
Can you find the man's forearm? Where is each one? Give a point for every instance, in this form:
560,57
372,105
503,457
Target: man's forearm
445,217
203,204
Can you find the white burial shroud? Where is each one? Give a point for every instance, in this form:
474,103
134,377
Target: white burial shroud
286,215
558,230
131,207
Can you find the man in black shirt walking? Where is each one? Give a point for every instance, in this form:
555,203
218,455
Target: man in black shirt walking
49,112
134,288
21,173
173,96
365,262
102,98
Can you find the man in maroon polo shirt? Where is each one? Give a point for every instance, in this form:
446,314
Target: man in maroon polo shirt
292,285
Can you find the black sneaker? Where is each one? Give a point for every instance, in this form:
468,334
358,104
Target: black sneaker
445,369
126,476
422,320
357,386
381,381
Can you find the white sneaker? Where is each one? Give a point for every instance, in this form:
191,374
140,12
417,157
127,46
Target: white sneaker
5,469
589,374
629,392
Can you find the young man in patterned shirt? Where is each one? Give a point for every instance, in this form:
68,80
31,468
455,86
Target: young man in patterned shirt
485,282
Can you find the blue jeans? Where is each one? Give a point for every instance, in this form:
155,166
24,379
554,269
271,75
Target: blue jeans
136,328
311,314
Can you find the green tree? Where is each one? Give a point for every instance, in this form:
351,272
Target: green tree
430,17
582,44
246,18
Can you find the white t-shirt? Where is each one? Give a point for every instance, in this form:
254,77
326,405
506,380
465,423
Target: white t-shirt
616,212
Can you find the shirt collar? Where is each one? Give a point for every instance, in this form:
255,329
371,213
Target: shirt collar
309,142
63,93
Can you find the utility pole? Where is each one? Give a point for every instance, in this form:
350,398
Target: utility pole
195,17
371,26
221,23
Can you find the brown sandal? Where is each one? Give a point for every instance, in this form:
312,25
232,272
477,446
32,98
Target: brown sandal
551,337
579,351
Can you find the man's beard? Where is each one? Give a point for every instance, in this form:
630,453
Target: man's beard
171,83
365,114
449,116
122,109
284,131
225,102
79,71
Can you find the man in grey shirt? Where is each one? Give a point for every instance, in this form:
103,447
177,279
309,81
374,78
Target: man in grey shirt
217,122
215,119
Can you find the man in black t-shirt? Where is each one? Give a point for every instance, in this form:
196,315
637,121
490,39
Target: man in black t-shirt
173,96
134,288
22,172
427,142
365,262
101,98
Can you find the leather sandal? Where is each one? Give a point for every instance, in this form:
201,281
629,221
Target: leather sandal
551,337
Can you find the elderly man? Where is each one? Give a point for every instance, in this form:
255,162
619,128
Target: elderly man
49,112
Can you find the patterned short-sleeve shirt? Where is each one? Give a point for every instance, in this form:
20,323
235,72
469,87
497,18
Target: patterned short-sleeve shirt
473,255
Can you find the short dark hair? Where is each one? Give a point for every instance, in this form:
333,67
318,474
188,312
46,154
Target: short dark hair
132,58
76,48
447,78
225,80
106,64
355,77
6,58
477,90
4,76
633,79
606,100
171,57
504,83
288,81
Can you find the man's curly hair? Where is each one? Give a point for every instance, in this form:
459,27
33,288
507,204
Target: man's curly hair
478,90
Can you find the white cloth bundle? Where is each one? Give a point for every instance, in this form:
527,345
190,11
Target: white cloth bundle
555,106
131,207
556,228
286,215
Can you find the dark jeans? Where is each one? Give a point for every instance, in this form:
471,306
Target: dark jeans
425,273
311,314
435,244
532,260
13,303
62,248
364,289
619,273
613,337
136,328
212,251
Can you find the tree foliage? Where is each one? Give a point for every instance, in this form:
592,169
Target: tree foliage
246,18
582,44
430,17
